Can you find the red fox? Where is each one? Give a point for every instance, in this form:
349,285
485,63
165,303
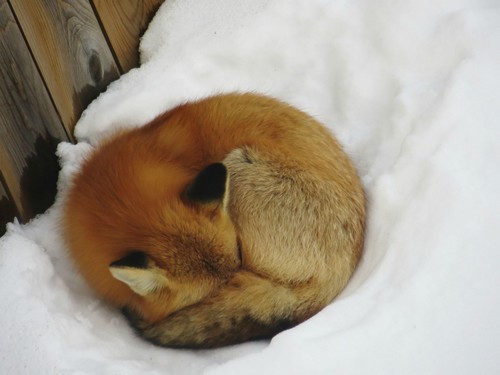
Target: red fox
223,220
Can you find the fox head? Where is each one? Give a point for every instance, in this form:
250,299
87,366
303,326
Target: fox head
148,233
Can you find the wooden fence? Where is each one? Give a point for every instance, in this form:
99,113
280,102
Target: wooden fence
56,56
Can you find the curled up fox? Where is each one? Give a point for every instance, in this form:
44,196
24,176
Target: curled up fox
223,220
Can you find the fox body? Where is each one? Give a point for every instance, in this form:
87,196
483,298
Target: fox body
223,220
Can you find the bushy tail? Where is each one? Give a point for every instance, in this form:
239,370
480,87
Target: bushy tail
248,308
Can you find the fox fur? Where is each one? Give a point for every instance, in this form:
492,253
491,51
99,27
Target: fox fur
223,220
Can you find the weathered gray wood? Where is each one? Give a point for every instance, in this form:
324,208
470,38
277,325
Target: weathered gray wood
70,50
29,128
7,207
124,22
54,60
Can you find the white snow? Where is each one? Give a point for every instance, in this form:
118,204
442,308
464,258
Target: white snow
410,87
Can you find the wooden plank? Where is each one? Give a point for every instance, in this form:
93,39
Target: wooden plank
30,127
124,22
71,52
7,207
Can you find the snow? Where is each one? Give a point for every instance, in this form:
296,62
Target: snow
411,88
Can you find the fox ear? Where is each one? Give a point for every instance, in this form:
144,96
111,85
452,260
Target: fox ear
210,186
139,272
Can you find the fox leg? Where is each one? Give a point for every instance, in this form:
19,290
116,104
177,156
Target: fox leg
249,307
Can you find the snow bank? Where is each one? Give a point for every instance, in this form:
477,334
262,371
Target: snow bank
411,88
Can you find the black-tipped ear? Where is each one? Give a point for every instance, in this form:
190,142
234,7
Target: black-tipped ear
139,272
210,184
137,259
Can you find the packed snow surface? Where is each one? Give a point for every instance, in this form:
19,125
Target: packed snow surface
412,90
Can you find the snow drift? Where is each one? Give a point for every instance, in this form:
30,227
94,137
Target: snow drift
412,90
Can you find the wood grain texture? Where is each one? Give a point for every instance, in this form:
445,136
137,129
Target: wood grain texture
71,52
8,208
30,128
124,22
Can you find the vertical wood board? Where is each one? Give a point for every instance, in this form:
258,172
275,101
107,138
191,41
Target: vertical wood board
124,22
71,52
56,56
7,207
30,127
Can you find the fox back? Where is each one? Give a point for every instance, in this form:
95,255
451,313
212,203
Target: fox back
223,220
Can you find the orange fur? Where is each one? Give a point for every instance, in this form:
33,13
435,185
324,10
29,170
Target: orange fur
293,207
